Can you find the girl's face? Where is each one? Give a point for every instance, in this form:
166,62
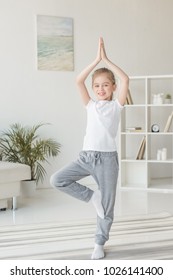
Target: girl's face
103,87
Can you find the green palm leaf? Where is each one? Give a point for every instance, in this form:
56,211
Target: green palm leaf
22,144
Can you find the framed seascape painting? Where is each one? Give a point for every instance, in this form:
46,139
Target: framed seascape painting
55,50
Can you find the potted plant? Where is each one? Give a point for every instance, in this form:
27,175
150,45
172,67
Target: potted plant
22,144
167,98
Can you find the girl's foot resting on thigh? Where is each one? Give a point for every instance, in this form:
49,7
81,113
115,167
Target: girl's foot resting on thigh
97,202
98,252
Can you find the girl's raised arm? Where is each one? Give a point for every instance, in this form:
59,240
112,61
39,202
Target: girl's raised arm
80,80
124,79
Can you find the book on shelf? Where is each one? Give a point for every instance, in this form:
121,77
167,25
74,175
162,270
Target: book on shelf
168,123
129,100
141,150
134,129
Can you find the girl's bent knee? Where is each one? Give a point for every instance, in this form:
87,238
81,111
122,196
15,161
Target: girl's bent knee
55,181
52,180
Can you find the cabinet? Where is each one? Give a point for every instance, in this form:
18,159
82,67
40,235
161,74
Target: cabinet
151,172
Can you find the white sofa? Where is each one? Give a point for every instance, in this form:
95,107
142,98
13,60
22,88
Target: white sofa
11,174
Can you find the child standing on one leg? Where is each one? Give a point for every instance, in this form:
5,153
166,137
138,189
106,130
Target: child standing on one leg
98,157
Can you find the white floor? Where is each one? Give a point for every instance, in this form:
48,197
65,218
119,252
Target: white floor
49,205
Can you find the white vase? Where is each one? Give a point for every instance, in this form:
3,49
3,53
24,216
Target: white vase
28,188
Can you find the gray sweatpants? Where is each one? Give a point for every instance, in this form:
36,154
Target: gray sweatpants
103,166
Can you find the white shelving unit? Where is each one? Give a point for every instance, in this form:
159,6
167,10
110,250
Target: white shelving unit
149,172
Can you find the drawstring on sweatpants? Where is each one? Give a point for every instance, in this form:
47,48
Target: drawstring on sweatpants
91,157
96,159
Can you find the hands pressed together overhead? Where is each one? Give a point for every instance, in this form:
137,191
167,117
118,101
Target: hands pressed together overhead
118,72
101,54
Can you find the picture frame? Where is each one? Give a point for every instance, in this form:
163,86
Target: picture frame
55,50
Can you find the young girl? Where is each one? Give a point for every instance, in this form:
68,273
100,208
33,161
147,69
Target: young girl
99,155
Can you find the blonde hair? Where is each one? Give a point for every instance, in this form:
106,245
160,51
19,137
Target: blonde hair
103,70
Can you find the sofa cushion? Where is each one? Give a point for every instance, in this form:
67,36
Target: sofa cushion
12,172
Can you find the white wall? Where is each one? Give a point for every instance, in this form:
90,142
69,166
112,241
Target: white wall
138,37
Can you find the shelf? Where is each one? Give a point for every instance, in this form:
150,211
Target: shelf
149,133
133,186
162,184
133,133
147,173
154,188
151,77
148,105
160,161
160,133
160,105
134,160
149,160
134,105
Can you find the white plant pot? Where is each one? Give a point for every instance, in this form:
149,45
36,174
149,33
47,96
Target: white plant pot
3,203
167,101
28,188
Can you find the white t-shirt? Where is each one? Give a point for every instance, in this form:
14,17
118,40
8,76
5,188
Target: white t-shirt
102,124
